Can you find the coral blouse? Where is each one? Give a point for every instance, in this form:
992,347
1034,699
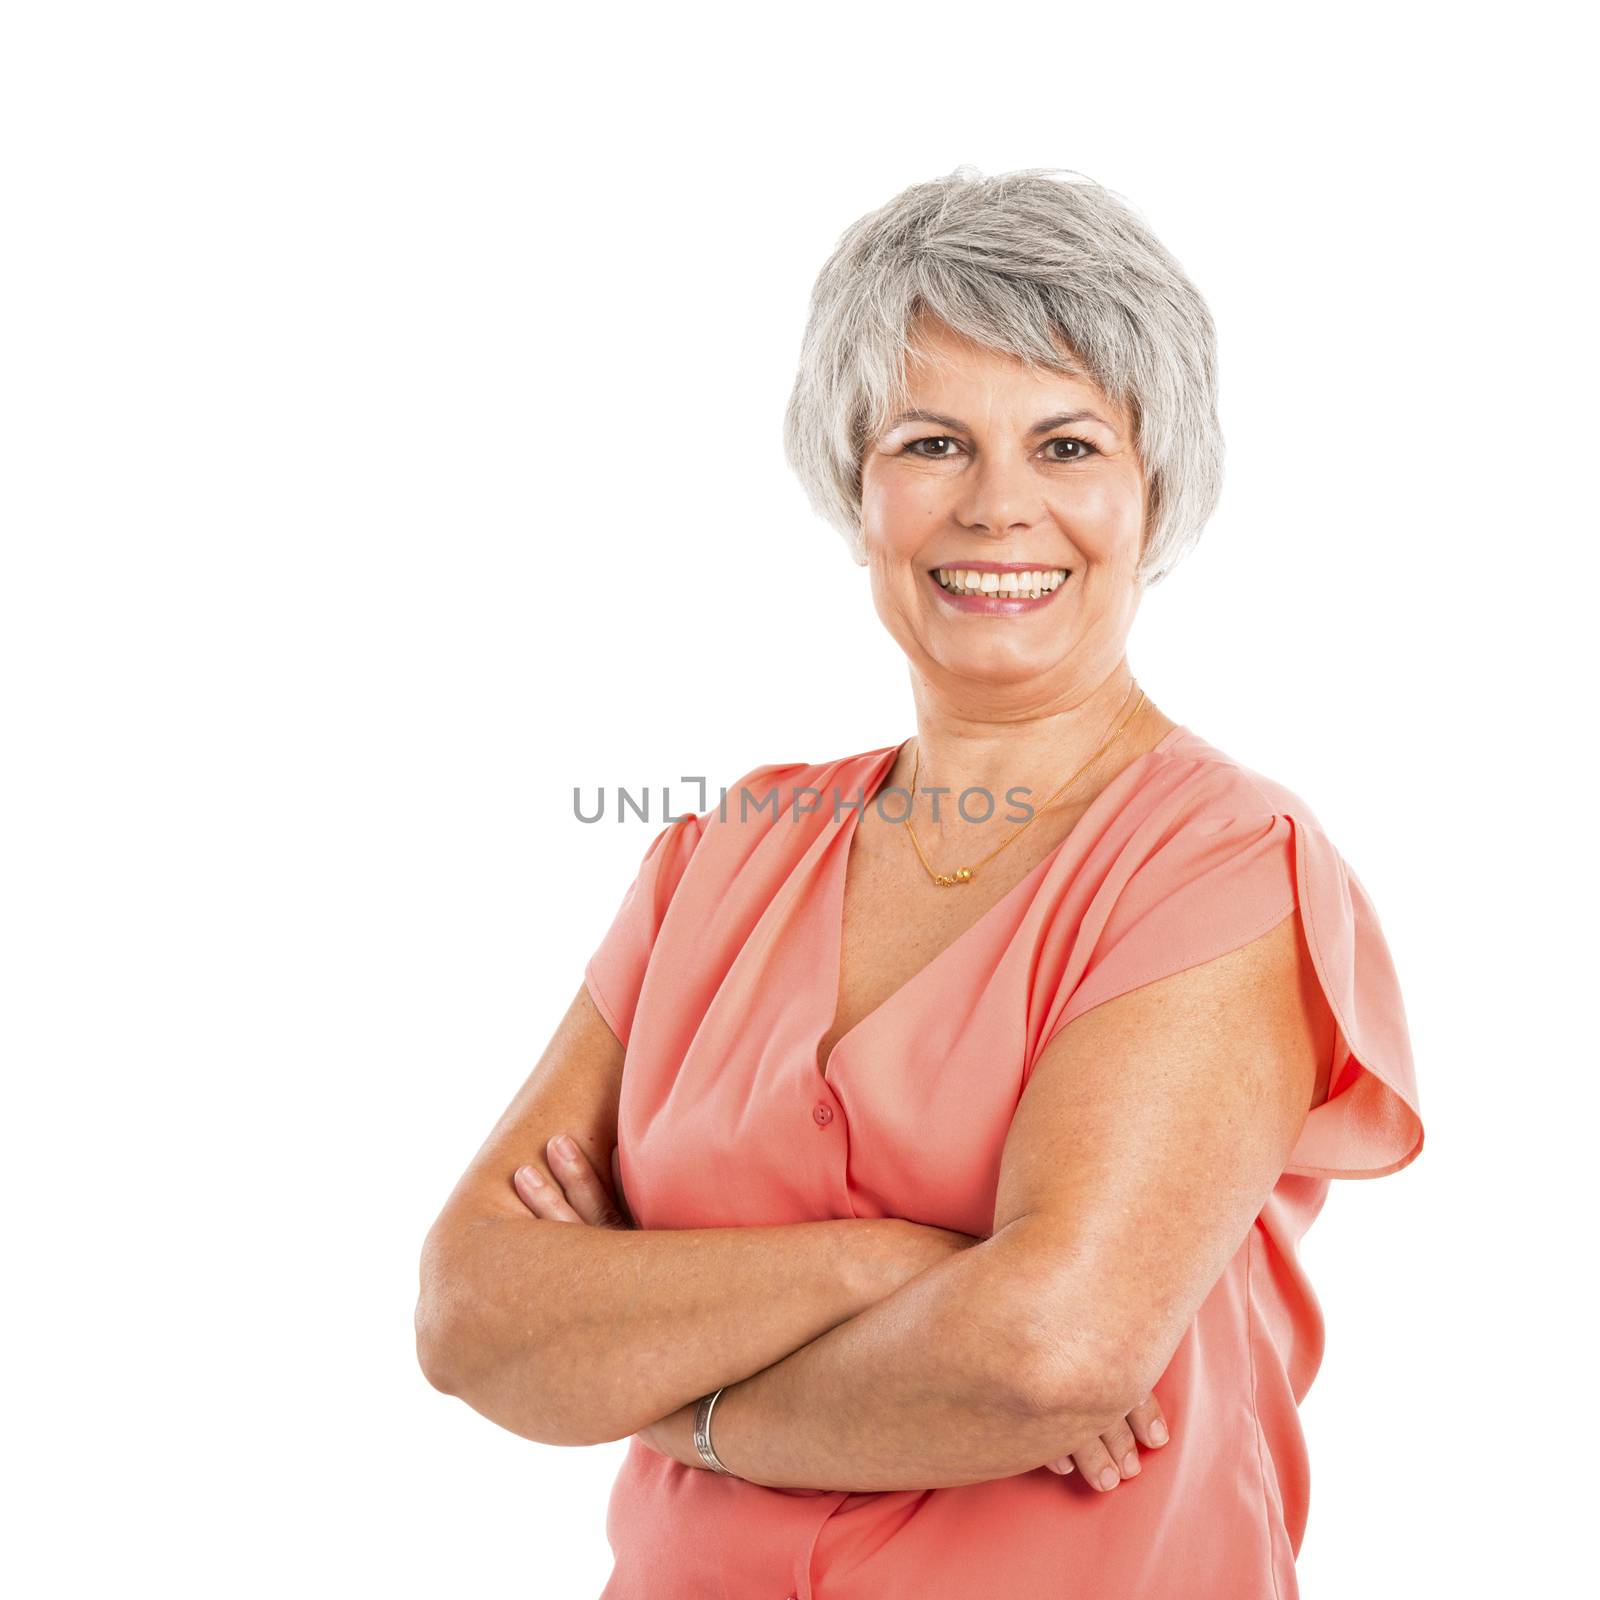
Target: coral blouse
720,973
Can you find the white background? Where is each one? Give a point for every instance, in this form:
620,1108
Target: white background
391,442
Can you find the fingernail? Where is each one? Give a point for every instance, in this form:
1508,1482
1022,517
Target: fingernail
1158,1431
530,1176
1109,1479
566,1147
1130,1465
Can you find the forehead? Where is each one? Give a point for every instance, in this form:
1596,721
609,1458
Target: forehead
948,371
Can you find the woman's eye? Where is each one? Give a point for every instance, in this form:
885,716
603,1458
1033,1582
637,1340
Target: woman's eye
942,447
1085,449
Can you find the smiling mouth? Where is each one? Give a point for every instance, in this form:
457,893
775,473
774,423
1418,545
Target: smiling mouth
1030,584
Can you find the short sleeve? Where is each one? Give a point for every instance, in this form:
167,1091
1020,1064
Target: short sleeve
1370,1124
1208,887
614,974
1211,887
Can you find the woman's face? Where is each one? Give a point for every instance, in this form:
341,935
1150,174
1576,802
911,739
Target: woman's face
993,475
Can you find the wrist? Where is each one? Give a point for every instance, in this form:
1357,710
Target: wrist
673,1436
704,1411
724,1434
681,1437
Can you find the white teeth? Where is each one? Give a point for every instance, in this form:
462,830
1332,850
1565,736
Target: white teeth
1021,585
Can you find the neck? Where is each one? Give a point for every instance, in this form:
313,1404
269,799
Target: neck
1033,753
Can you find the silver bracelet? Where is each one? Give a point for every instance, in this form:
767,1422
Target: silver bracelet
702,1432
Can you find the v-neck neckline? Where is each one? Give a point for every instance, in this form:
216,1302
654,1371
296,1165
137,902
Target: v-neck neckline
840,879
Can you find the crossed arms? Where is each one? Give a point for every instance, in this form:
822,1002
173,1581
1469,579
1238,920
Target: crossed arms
871,1354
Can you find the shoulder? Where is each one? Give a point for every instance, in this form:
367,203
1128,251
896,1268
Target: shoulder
812,772
1193,856
777,788
1213,838
1193,782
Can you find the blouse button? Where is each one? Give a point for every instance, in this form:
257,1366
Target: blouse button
823,1112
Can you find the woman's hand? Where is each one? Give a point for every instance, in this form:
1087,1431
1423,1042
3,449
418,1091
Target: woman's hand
1105,1461
579,1193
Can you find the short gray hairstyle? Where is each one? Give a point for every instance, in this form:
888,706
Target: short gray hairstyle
1020,262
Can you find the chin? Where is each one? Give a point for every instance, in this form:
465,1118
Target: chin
997,669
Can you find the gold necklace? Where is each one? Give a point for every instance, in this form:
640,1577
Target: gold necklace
965,874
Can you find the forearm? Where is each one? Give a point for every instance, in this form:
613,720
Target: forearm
936,1385
569,1334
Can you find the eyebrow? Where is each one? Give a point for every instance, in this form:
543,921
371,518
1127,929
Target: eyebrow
1061,419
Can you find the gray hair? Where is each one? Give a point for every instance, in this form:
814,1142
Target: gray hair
1019,262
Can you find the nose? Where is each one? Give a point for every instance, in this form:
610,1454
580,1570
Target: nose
999,497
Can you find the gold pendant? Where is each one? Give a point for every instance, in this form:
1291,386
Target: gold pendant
960,875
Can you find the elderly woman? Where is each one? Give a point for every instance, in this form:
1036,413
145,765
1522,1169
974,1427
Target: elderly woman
938,1168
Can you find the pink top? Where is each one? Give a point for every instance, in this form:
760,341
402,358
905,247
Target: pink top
720,974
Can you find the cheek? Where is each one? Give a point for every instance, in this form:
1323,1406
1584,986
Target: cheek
897,513
1106,520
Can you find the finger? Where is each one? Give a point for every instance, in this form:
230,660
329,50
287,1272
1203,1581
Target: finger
581,1184
1149,1424
542,1196
1122,1448
1095,1464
